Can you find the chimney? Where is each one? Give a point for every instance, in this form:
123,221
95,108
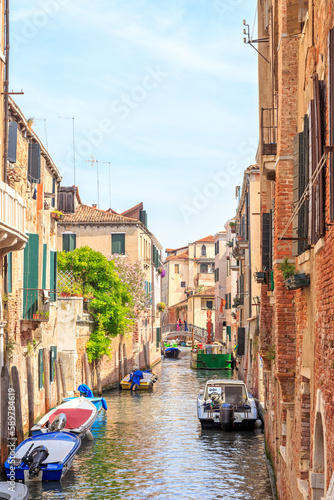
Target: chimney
94,205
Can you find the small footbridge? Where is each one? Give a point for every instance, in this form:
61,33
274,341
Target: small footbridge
174,330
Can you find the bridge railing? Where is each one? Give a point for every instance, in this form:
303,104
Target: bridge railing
185,330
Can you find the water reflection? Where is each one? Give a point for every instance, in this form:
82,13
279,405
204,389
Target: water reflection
150,445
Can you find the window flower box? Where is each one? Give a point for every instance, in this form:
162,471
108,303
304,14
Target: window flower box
56,215
297,281
260,277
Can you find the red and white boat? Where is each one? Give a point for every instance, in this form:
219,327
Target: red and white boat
79,415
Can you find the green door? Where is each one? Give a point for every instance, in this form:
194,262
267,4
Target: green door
30,277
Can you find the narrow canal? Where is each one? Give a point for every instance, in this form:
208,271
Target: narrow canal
150,445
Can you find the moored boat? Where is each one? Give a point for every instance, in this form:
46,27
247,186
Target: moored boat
211,357
225,403
79,414
87,393
172,352
44,457
142,380
13,491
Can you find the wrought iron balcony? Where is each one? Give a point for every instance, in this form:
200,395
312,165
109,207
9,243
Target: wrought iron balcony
269,131
36,304
12,220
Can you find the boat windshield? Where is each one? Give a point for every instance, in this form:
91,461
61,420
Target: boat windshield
235,394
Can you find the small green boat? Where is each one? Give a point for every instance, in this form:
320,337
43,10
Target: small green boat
211,357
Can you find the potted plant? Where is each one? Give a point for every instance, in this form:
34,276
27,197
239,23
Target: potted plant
161,306
227,257
233,226
229,244
292,279
57,215
234,315
161,271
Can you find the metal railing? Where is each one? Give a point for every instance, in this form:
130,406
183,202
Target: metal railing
36,303
175,328
269,131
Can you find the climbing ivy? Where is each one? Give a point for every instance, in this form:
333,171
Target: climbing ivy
112,302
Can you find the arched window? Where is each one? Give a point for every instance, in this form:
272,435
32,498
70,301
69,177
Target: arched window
319,454
203,250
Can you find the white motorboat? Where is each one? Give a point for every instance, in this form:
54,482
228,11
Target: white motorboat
227,404
13,491
79,414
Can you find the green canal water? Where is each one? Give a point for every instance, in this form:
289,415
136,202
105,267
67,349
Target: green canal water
150,445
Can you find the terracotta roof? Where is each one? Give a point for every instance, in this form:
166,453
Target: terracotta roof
210,290
134,211
179,256
207,239
85,213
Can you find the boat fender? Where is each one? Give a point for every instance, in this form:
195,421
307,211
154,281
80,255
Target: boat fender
89,436
258,423
104,404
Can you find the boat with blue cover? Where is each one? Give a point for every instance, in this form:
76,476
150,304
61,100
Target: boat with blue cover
87,393
172,352
45,457
138,379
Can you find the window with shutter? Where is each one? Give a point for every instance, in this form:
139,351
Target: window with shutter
9,272
318,151
241,341
266,223
158,337
118,243
34,163
228,332
53,357
53,275
40,369
12,141
30,276
69,242
53,199
45,250
331,119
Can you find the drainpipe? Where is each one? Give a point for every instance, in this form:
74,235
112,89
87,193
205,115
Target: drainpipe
6,84
153,297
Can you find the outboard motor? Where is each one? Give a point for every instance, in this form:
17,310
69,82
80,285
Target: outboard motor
34,459
59,423
226,417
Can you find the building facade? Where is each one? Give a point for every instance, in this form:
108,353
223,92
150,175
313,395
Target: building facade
111,233
296,162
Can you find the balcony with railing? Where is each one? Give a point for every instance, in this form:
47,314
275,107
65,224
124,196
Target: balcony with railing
237,251
36,304
12,220
269,131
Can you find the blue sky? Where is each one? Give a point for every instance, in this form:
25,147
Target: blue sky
164,90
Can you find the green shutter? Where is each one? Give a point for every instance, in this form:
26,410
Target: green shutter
228,332
45,249
9,272
118,243
158,337
53,357
53,275
40,369
30,277
69,242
